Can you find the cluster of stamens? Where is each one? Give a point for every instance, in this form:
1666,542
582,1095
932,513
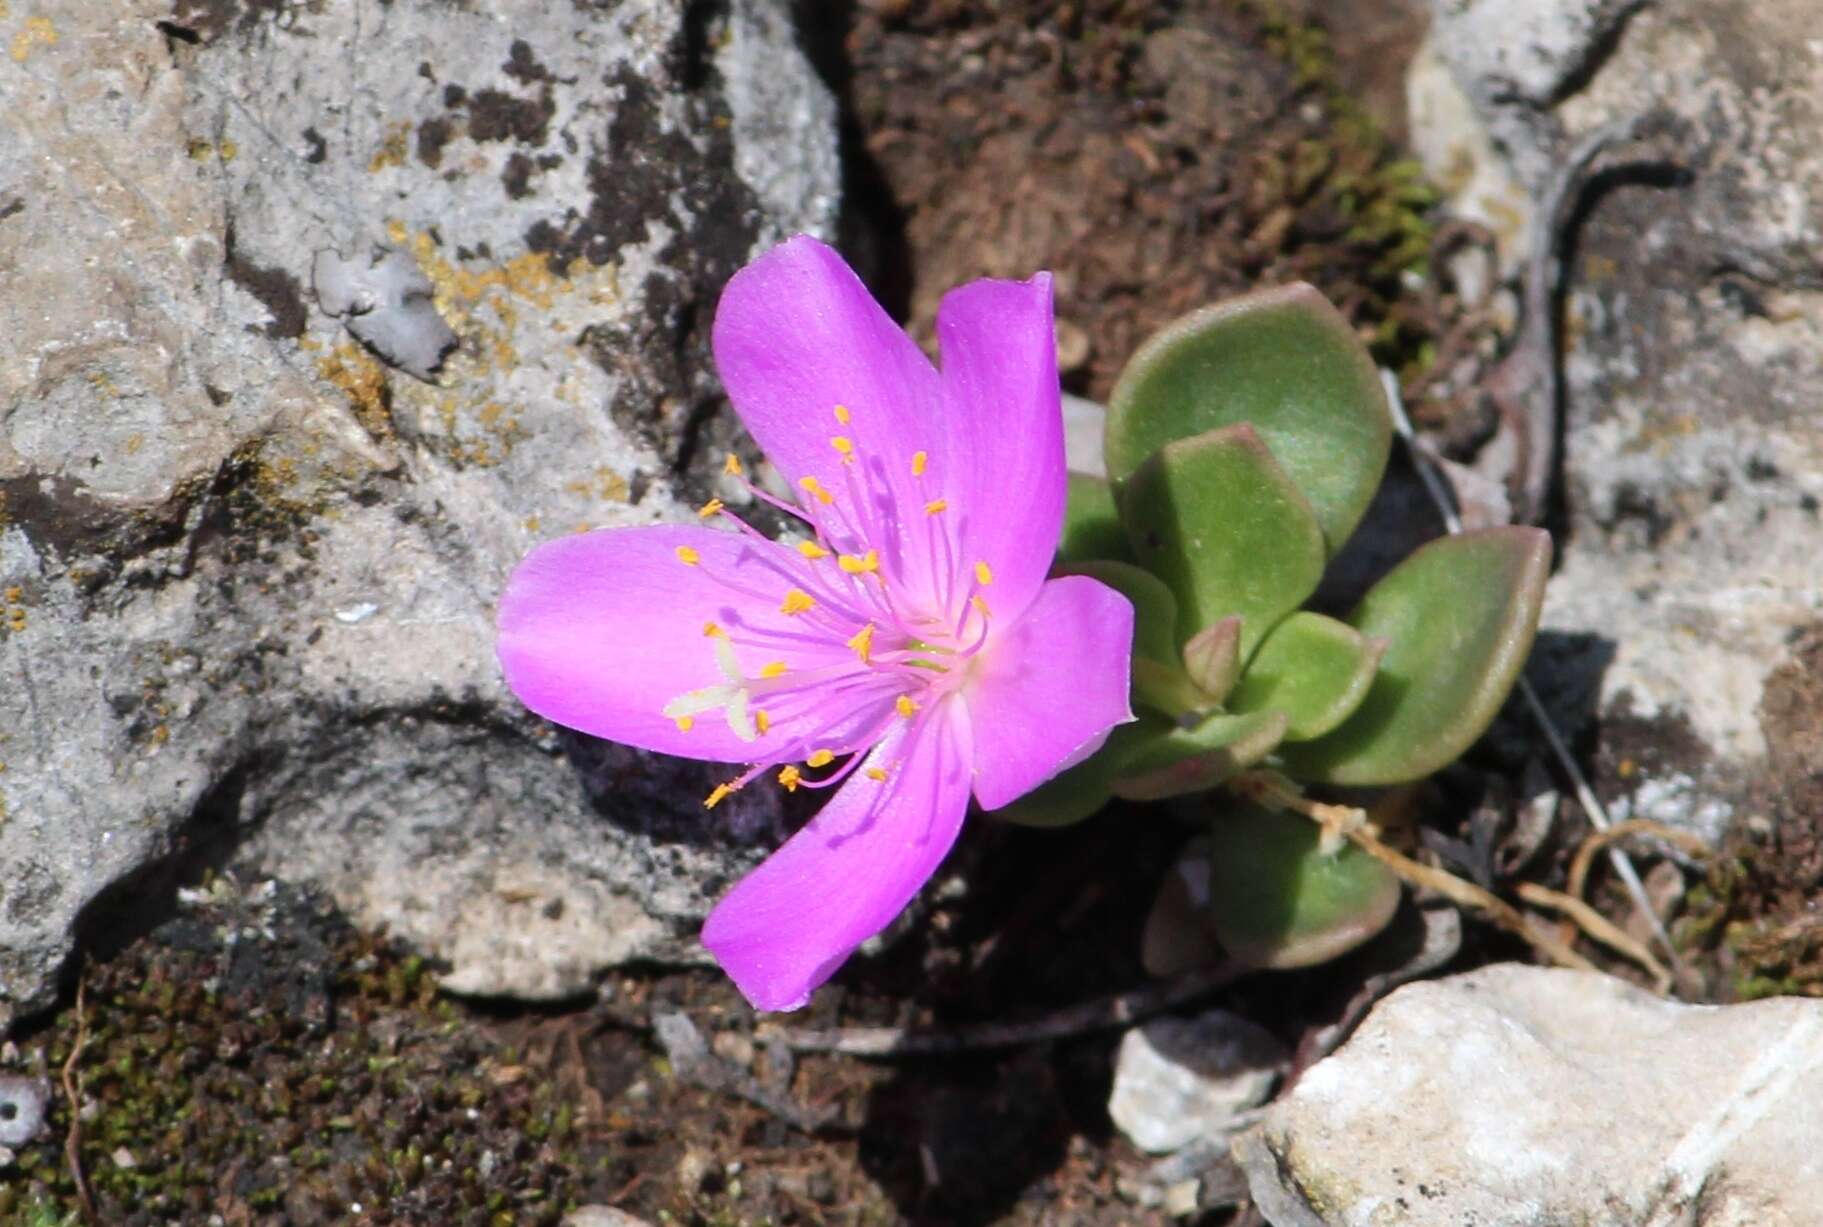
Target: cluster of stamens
908,637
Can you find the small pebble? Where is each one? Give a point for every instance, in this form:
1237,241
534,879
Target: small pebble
23,1105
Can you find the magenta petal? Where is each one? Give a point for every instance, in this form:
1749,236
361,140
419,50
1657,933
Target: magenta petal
796,334
599,631
1002,401
1050,687
787,926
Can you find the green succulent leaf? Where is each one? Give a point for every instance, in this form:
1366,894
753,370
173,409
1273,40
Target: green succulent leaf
1285,361
1314,669
1091,525
1458,617
1073,795
1218,520
1276,899
1171,761
1212,657
1159,680
1063,800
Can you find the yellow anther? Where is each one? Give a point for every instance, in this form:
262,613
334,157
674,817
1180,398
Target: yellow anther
685,723
712,507
797,601
919,460
772,668
980,606
983,576
874,773
842,414
870,561
712,631
936,505
688,556
790,777
721,793
762,720
905,705
819,758
844,445
732,465
815,488
812,550
863,642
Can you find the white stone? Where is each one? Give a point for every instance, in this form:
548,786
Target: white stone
1180,1079
1520,1096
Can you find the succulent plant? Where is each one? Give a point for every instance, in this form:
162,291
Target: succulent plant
1243,445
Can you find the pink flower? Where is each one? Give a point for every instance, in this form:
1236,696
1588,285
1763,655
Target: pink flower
911,630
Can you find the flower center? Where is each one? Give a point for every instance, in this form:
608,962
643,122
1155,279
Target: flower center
882,612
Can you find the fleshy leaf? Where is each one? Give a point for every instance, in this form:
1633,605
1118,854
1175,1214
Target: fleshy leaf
1091,525
1275,899
1285,361
1073,795
1159,680
1212,657
1218,520
1458,616
1314,669
1146,760
1176,761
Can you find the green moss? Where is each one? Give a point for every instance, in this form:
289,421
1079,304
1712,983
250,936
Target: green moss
1387,202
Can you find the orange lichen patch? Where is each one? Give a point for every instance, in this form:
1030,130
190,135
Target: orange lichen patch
363,381
37,32
393,147
606,485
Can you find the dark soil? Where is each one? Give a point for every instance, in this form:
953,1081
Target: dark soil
1155,157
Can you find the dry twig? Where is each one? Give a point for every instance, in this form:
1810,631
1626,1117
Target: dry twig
1684,841
1101,1014
1598,927
1350,823
72,1091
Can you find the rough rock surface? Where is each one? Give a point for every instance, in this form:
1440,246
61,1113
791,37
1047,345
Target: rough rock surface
248,570
1523,1096
1693,455
1180,1079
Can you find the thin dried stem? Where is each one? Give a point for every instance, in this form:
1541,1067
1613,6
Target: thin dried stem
1350,823
1598,927
1101,1014
72,1091
1691,845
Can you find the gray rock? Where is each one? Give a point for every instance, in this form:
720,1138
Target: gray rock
1695,311
387,302
1178,1080
1522,1096
246,570
24,1103
601,1216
